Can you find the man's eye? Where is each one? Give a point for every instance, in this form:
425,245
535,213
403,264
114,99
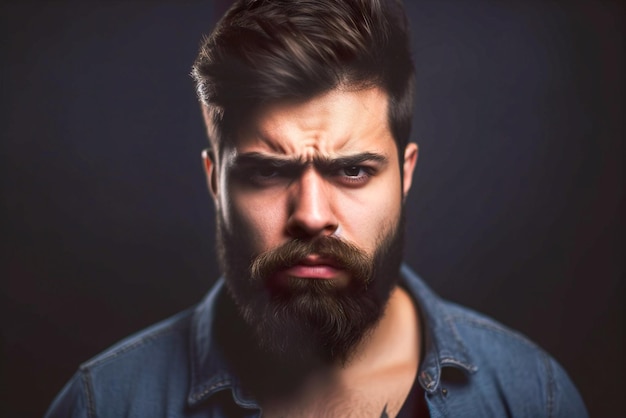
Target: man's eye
264,175
265,172
355,175
353,171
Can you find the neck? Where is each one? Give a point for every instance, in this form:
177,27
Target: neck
394,341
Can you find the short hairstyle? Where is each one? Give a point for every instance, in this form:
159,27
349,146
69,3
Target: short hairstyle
267,50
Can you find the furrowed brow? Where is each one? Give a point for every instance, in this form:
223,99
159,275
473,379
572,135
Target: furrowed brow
258,159
332,164
321,163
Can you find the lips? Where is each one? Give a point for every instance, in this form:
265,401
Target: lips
315,267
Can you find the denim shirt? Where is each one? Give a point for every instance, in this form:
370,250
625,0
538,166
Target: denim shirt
472,367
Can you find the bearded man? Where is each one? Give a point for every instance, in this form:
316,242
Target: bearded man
308,106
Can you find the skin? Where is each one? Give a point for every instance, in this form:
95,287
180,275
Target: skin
336,124
328,165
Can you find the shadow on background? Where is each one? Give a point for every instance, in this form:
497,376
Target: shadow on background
515,210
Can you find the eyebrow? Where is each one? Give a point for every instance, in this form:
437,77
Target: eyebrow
321,163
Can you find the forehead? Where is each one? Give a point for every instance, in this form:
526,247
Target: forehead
333,123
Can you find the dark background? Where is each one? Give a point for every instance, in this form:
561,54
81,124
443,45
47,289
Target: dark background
515,209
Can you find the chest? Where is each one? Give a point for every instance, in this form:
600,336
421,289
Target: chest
349,407
377,398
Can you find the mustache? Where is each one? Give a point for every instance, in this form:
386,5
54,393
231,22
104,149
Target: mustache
344,255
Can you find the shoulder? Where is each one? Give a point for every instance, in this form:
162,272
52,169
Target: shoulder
484,335
513,368
167,338
146,365
475,366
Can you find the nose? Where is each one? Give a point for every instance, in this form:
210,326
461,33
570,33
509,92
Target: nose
311,207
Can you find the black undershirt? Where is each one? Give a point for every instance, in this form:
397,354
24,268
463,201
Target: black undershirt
415,404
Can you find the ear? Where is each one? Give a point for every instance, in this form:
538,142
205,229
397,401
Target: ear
410,159
210,170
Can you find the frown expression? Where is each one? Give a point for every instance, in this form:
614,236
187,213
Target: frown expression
304,169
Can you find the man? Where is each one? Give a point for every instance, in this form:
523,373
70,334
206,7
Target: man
308,106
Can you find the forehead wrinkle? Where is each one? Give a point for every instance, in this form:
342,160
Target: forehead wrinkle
313,151
312,128
272,143
322,144
281,139
305,132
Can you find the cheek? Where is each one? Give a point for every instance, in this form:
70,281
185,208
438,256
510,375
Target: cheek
259,219
371,213
369,225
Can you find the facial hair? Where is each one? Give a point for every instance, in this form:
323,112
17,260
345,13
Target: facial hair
310,320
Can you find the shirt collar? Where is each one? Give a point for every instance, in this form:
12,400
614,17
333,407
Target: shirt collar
210,372
444,346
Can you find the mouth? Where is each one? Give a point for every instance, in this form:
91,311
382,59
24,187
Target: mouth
315,267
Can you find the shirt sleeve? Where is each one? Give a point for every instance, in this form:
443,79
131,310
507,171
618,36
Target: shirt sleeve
564,401
73,400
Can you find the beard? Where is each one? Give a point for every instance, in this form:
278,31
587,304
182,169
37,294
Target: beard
310,321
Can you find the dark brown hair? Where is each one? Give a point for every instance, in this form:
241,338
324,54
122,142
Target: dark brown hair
266,50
